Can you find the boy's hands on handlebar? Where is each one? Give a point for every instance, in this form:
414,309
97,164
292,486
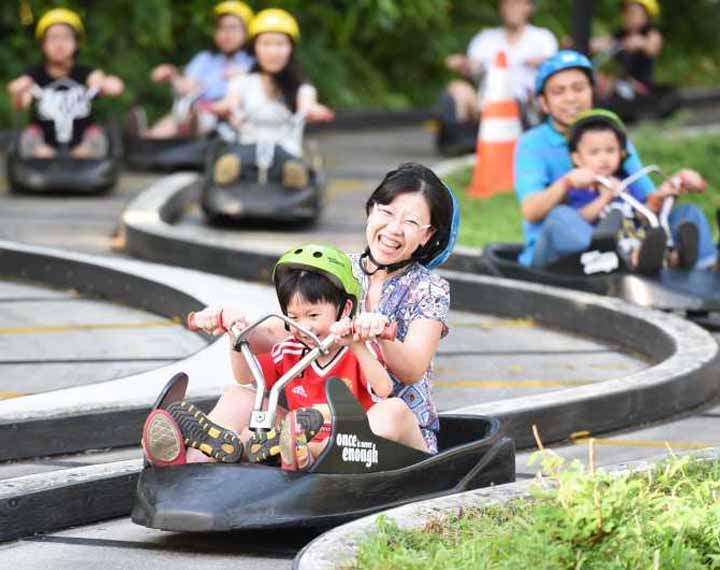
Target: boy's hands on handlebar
343,331
608,187
365,326
217,320
683,181
579,178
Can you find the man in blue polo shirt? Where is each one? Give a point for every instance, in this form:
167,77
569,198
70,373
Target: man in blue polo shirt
544,171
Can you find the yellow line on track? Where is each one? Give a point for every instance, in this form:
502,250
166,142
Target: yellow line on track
87,327
582,438
495,324
8,395
508,383
341,186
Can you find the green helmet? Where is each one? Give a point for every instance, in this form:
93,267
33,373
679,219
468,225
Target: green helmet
597,117
330,261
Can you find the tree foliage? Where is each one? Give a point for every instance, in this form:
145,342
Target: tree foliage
364,53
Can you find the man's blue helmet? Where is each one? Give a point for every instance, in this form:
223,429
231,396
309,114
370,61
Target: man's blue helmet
562,60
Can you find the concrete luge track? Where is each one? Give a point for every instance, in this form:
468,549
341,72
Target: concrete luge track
682,356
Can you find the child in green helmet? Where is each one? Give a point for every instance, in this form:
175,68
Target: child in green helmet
315,288
597,141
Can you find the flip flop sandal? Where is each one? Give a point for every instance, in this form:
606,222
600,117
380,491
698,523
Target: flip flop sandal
266,445
652,252
201,433
162,440
298,428
687,244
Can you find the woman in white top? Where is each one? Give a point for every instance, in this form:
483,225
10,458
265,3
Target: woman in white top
273,101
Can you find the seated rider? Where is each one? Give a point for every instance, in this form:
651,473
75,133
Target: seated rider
208,74
634,48
316,288
544,172
64,84
526,47
272,102
597,141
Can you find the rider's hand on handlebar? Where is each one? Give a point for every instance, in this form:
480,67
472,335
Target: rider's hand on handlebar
458,63
96,80
609,187
580,178
163,72
689,181
368,326
343,330
112,86
222,109
217,319
319,114
634,42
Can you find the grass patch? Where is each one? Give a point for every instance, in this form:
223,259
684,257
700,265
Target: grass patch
498,219
666,519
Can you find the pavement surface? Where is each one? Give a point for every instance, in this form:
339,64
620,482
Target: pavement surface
484,358
52,339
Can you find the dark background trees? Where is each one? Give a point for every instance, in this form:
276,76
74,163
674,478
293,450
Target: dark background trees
360,53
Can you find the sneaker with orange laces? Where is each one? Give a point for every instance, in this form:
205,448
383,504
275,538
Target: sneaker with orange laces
294,451
264,447
168,433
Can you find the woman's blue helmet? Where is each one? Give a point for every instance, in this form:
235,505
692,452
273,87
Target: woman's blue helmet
446,241
562,60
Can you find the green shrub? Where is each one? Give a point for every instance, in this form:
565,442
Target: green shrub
664,519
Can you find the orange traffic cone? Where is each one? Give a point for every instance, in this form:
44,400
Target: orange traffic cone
500,128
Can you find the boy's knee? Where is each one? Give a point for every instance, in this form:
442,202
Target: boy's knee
396,412
237,392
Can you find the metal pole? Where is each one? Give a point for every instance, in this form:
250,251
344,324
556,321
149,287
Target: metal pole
581,22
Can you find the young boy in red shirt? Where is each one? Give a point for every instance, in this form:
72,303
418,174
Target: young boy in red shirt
316,288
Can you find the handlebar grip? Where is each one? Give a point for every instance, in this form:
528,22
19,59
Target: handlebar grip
201,320
192,322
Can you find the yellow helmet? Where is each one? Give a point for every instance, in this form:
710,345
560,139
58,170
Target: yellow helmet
235,8
275,20
652,7
59,16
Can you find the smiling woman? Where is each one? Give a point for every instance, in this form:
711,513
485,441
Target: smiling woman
412,224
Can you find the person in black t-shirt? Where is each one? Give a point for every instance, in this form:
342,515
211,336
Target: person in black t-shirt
634,48
61,114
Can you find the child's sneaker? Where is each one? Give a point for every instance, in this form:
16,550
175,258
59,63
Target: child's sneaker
162,440
266,445
136,123
294,174
687,245
652,252
96,142
201,433
31,139
298,425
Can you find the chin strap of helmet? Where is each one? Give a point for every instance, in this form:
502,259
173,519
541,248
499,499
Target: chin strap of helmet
390,268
